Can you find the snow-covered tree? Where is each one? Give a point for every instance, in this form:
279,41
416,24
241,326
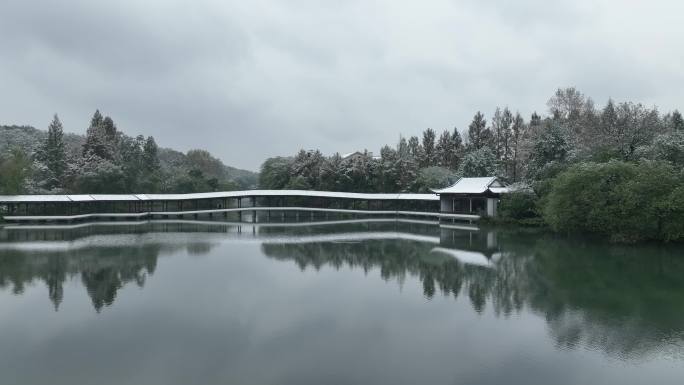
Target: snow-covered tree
360,173
150,156
429,157
458,149
517,134
51,157
551,152
501,129
444,150
479,135
666,147
109,129
676,121
389,170
332,173
407,165
449,149
431,178
624,128
97,142
96,175
307,164
151,167
479,163
567,104
415,149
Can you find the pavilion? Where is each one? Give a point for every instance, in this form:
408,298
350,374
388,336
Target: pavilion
478,196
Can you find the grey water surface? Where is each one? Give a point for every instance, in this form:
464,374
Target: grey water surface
341,302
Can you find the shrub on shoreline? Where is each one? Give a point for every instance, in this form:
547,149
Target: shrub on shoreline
625,201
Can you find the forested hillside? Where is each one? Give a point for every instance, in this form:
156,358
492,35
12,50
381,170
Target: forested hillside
106,160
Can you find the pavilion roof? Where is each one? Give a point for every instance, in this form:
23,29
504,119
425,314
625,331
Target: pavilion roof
474,186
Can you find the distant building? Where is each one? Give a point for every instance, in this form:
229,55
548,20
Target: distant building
356,154
478,196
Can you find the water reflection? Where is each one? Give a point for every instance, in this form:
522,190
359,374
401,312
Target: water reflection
102,270
623,301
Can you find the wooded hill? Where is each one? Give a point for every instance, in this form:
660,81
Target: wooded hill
106,160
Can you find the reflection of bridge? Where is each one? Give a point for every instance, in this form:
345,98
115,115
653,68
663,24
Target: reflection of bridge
108,255
468,244
23,208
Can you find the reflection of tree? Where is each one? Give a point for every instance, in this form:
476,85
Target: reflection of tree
103,271
624,301
394,258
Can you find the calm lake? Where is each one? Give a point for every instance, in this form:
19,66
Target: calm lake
338,302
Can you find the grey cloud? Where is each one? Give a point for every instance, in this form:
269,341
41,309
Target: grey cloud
248,80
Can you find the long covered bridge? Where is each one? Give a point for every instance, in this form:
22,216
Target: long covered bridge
36,208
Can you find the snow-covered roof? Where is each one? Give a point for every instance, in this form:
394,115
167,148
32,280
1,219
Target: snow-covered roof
214,195
359,153
499,190
474,186
34,198
80,198
115,197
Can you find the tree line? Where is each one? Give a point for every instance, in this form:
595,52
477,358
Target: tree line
106,160
508,146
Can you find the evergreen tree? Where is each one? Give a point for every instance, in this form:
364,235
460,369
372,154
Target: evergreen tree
151,176
96,142
150,156
407,166
415,149
517,133
403,147
97,119
479,135
52,156
429,158
457,149
389,170
15,170
444,150
109,129
132,165
535,119
501,127
609,119
677,121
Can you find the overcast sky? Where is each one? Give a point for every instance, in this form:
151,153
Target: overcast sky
251,79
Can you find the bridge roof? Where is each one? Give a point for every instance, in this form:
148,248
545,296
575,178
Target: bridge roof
213,195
